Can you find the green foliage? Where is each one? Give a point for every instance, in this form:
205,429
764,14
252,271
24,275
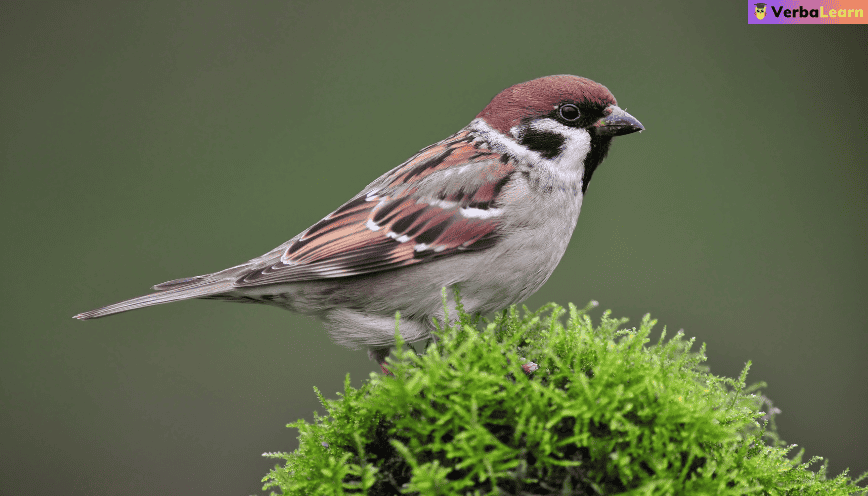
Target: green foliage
605,413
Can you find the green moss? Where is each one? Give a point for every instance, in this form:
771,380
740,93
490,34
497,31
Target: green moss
605,413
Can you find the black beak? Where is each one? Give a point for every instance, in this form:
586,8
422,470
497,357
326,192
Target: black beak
617,123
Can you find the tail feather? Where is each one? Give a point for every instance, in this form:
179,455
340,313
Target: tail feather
186,281
194,289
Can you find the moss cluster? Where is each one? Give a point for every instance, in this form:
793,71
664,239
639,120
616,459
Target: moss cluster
605,413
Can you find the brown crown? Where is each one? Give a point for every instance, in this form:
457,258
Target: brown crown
540,96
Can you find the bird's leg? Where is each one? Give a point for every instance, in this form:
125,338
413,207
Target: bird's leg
379,355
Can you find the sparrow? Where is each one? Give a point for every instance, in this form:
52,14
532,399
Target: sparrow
489,210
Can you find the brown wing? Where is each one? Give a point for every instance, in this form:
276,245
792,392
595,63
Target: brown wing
442,201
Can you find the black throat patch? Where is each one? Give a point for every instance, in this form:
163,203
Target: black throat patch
599,150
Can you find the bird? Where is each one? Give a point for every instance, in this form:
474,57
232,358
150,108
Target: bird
489,211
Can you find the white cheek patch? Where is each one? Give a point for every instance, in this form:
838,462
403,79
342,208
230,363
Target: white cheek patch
577,142
504,144
577,145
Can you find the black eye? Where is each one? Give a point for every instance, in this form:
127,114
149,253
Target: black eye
569,112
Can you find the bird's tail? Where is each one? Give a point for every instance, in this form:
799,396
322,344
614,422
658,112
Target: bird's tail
167,292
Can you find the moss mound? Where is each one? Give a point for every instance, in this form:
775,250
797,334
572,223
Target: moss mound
605,413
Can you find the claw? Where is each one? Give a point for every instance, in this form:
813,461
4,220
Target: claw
386,370
529,368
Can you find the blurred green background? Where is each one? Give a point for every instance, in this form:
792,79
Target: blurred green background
147,141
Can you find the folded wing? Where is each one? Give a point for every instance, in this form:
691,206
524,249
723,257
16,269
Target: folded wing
442,201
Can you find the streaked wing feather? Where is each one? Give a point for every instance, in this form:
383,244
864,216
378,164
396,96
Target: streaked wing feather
441,201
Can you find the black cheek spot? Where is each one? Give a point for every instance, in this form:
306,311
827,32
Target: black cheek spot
545,143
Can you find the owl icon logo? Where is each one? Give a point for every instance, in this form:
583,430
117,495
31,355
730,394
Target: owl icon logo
759,10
